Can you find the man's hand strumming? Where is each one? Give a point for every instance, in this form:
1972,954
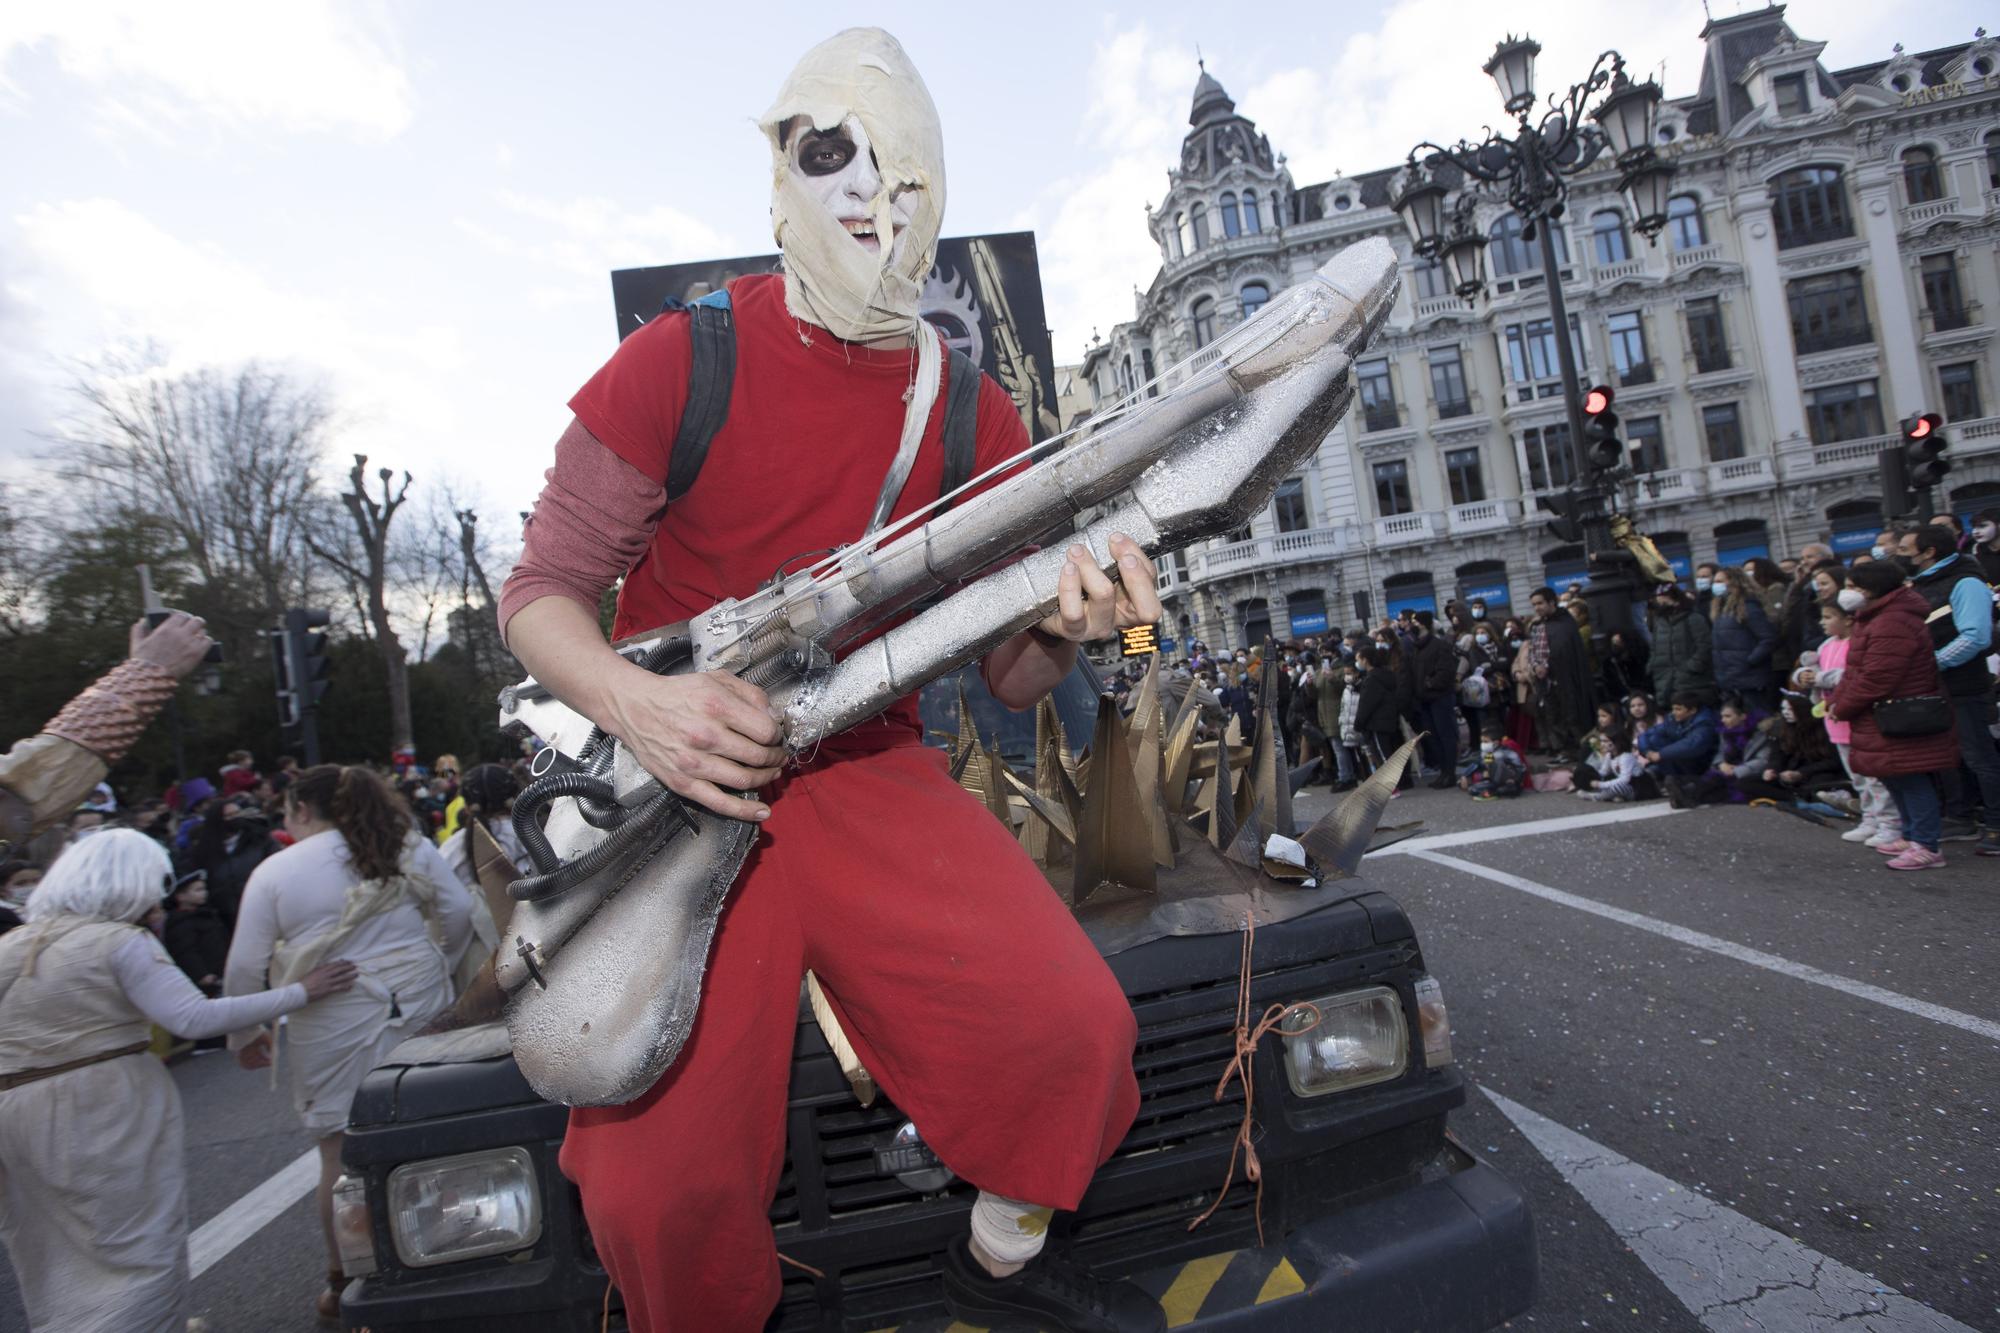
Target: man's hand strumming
702,735
1089,606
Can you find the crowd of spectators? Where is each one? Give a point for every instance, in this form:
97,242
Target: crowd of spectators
1861,689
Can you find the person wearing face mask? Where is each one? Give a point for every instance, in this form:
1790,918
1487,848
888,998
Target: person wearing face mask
1704,585
1742,640
1681,660
1960,625
232,843
1436,667
835,426
1986,545
1889,658
1880,823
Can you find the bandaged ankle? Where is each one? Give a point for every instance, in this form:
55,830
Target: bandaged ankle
1010,1231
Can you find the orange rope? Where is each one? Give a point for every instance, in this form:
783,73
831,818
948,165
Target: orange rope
808,1268
1240,1067
605,1326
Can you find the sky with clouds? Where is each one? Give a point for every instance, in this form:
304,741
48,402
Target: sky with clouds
419,205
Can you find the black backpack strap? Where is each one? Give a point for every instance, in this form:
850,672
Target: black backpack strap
961,424
711,377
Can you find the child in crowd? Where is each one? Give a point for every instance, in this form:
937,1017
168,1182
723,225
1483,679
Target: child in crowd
1614,772
1803,759
1682,744
1641,713
1353,762
1880,823
1744,750
1502,770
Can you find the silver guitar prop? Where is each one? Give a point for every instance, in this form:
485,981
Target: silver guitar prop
604,955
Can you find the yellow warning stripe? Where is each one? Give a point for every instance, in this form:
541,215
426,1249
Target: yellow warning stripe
1183,1299
1284,1281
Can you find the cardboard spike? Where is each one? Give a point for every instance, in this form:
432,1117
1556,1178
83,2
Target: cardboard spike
1044,815
995,790
1143,735
968,764
1145,705
1113,842
1222,803
1049,726
1338,841
1179,760
1059,782
1202,765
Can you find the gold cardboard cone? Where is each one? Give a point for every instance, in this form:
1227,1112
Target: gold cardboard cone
1338,841
1145,706
1113,842
1179,759
1046,816
1049,727
995,792
1222,803
1142,731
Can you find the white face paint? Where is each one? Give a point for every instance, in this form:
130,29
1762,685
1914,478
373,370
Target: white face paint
838,168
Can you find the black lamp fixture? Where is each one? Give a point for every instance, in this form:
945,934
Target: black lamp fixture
1421,201
1512,67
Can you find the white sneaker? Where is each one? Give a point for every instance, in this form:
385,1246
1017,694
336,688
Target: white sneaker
1883,837
1861,834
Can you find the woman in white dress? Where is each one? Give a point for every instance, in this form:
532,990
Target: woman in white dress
362,882
93,1183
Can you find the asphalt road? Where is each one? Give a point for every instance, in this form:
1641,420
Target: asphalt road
1746,1075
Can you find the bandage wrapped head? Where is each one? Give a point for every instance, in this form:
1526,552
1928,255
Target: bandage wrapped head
857,185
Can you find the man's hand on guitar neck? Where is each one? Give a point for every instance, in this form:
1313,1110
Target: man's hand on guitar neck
1089,606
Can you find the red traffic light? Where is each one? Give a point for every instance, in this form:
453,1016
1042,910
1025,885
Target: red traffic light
1597,400
1921,427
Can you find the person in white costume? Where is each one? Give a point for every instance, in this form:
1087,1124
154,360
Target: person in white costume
93,1175
360,881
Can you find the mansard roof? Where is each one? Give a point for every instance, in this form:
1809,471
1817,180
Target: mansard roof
1210,102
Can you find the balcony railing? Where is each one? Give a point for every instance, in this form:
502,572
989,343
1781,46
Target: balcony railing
1380,416
1441,305
1283,548
1711,356
1700,254
1740,474
1671,486
1916,215
1447,408
1826,340
1403,529
1618,272
1791,238
1640,374
1483,516
1945,318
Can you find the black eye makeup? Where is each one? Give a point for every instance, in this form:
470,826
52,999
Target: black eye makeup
824,154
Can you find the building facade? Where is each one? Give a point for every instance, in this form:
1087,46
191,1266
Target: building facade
1830,265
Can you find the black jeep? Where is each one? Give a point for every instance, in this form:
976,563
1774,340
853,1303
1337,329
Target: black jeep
455,1217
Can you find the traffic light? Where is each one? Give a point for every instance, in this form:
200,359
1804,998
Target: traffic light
1603,451
299,661
1923,447
1567,525
281,675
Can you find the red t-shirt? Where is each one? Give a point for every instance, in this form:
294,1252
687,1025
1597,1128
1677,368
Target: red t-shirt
796,469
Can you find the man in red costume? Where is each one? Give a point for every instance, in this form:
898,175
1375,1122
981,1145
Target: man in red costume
964,984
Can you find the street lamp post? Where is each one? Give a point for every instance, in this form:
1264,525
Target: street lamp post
1532,168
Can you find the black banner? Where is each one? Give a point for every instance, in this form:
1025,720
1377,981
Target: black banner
984,296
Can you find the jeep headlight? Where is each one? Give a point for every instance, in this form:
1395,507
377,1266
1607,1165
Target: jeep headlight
448,1209
1360,1039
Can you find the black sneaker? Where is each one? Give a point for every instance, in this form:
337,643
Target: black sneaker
1051,1292
1677,796
1989,843
1959,830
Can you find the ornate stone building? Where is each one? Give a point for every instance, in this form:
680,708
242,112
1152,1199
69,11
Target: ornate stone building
1829,266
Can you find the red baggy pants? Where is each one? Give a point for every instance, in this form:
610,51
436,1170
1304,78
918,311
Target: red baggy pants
965,985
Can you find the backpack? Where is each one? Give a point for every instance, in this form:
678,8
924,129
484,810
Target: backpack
712,376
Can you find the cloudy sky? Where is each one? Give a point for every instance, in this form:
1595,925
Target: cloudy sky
420,204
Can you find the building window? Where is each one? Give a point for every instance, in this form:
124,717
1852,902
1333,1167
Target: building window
1185,233
1289,504
1468,482
1789,92
1921,181
1706,338
1810,204
1199,213
1509,253
1378,396
1252,223
1828,311
1943,300
1628,348
1607,236
1448,383
1232,225
1146,369
1392,488
1724,431
1253,296
1277,211
1532,356
1843,412
1993,160
1547,448
1960,384
1647,444
1429,277
1685,226
1125,378
1202,313
1173,243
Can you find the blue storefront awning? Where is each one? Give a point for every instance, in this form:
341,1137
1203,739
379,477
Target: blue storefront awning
1736,555
1422,601
1855,539
1308,622
1493,594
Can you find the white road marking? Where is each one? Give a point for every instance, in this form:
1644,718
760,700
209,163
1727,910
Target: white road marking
1527,828
253,1212
1861,990
1730,1272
